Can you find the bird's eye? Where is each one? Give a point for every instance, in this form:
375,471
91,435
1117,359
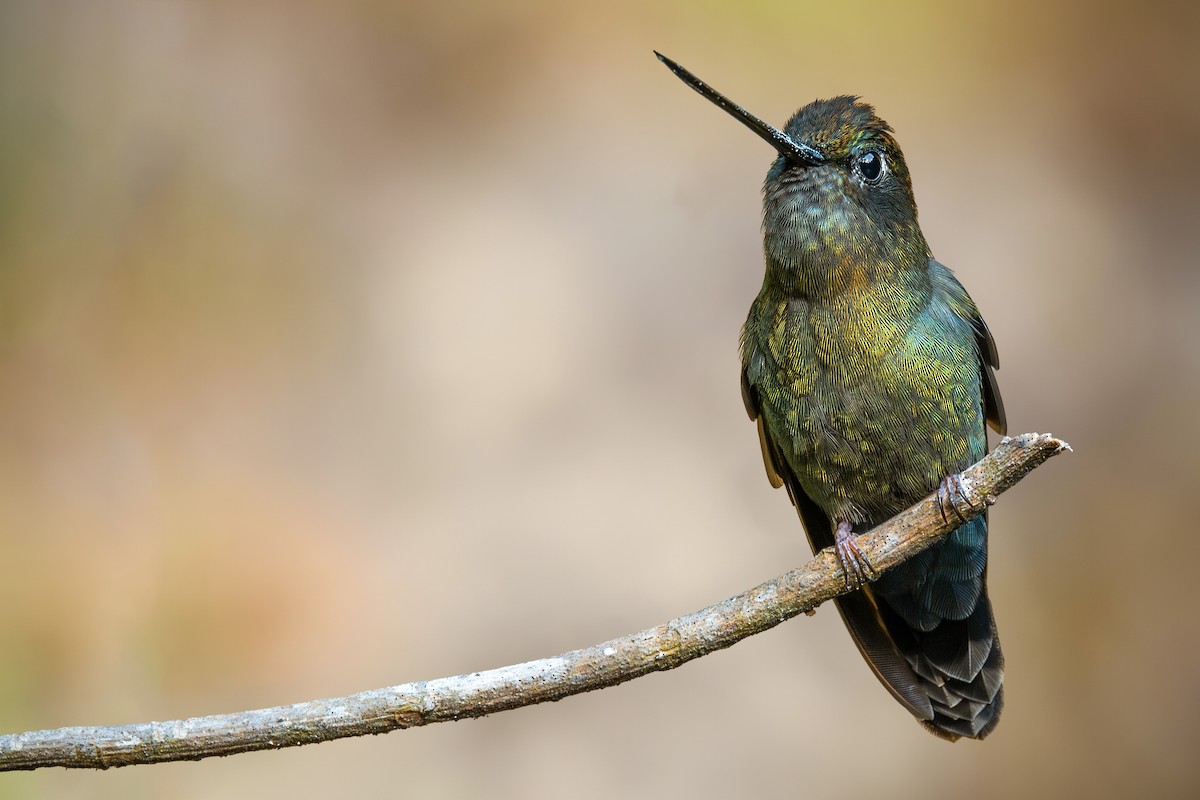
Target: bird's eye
870,166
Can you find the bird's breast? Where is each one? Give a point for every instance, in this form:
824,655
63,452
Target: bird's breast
867,400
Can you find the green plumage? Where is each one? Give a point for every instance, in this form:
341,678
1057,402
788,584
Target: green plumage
867,395
869,370
870,374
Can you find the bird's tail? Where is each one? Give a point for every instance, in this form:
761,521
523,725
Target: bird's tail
936,609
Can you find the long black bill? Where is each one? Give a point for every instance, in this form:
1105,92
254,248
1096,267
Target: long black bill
788,147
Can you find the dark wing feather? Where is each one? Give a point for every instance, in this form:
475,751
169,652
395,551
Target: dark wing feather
858,609
993,405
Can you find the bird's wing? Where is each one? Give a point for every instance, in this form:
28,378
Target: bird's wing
769,455
993,404
962,305
858,609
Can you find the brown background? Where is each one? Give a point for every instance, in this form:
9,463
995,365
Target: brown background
345,344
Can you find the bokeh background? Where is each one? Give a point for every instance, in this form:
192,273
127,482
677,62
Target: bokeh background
346,344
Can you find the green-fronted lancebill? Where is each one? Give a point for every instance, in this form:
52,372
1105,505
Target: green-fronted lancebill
869,372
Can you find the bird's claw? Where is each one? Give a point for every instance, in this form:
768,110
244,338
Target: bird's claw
950,493
856,567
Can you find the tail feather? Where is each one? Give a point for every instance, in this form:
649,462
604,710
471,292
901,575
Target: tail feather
959,648
955,656
959,710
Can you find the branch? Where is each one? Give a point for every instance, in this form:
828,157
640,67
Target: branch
479,693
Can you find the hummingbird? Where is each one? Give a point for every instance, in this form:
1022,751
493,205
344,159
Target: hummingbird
870,374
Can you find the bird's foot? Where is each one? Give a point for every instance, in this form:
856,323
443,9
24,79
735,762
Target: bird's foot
856,568
951,493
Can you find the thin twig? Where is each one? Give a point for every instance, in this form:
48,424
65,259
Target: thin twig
476,694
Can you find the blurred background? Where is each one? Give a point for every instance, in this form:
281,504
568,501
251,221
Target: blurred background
348,344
